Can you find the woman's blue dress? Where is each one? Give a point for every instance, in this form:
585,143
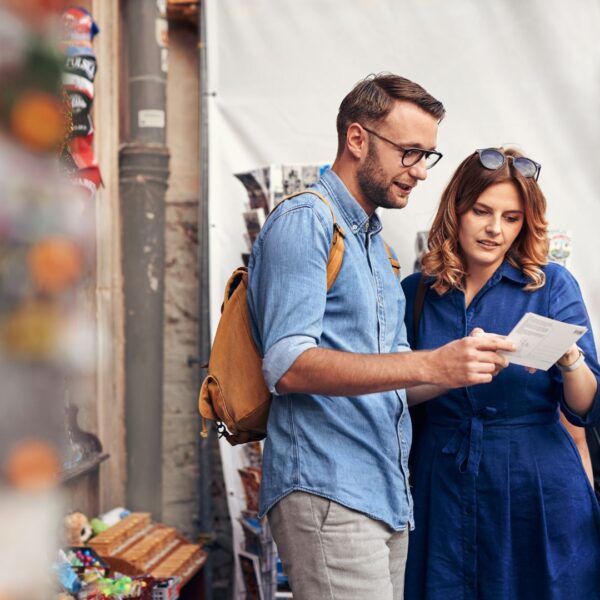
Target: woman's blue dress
503,508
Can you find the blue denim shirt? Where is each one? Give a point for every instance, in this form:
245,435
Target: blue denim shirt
350,449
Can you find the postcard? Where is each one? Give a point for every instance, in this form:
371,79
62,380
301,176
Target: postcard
541,341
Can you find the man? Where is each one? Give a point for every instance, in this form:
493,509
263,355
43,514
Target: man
335,475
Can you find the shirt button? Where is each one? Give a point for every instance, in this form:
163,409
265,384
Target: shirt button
469,510
355,228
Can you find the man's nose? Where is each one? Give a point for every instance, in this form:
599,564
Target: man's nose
418,170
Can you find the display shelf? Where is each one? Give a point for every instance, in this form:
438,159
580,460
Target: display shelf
136,546
87,465
80,476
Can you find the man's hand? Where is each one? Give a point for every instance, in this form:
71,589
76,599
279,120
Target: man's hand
478,332
472,360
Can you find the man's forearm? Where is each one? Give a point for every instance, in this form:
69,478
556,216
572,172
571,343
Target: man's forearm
469,361
422,393
336,373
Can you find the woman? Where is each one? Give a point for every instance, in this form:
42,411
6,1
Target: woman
503,507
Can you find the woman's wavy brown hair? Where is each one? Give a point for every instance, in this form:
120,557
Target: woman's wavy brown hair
444,260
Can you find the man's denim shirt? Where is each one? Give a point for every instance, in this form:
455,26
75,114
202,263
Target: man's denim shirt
353,450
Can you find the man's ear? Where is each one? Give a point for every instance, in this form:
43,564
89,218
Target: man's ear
356,141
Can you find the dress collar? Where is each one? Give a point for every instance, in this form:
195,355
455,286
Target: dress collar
505,270
512,273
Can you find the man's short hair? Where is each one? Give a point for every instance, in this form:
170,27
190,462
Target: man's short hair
372,99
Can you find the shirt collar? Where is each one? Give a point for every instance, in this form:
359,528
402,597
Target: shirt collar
351,210
504,270
512,273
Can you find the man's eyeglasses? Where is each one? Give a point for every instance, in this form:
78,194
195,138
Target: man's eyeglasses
411,156
492,158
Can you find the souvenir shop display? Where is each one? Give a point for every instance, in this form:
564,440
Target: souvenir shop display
560,246
79,72
124,556
266,187
46,248
136,546
257,555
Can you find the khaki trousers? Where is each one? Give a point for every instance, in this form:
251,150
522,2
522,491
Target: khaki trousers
330,552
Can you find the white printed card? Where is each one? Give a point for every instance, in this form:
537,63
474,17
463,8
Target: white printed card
541,341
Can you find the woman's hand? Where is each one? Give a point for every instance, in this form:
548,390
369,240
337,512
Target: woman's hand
579,383
569,357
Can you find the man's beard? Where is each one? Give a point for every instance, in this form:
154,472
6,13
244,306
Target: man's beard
372,182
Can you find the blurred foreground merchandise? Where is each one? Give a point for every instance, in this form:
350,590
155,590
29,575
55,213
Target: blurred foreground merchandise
78,30
46,250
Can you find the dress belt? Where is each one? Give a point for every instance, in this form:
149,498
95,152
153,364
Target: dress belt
466,442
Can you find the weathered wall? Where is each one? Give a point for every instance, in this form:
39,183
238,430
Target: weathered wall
181,425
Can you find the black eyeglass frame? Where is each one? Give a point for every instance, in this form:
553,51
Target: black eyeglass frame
420,152
516,161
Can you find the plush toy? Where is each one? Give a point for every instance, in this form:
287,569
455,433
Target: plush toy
98,526
77,528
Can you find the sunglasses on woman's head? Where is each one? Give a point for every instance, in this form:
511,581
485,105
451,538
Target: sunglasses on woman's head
492,158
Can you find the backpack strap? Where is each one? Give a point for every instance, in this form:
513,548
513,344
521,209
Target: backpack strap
418,307
395,264
336,252
418,414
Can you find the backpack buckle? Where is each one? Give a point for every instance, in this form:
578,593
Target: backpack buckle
339,231
222,431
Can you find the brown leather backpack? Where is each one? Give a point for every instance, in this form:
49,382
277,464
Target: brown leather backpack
234,392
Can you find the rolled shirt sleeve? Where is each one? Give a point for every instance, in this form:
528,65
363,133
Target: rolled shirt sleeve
282,355
566,304
402,344
288,284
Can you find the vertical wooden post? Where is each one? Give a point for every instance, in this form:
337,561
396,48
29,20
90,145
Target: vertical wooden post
109,293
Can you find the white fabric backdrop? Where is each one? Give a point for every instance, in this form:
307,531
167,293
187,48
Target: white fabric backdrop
508,71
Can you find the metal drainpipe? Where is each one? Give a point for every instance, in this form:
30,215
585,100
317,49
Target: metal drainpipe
204,337
144,174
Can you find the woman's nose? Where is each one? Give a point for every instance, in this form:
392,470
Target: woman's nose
493,226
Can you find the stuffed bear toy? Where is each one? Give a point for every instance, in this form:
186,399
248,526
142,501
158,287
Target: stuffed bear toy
77,528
